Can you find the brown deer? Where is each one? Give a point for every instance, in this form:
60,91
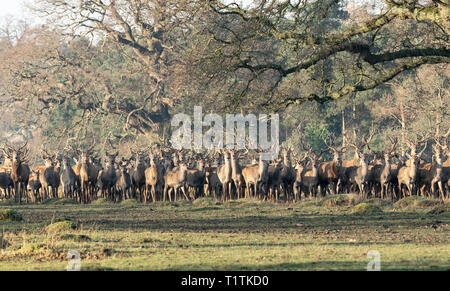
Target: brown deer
138,176
310,176
20,171
196,178
212,180
175,180
331,172
274,180
68,178
108,177
298,183
256,176
224,173
358,175
6,184
47,176
388,174
407,174
153,179
288,175
123,184
236,172
431,174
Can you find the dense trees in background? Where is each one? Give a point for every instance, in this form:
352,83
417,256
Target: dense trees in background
116,71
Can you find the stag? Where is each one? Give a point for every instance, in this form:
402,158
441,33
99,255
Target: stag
358,175
256,176
68,178
123,184
196,178
174,180
288,174
6,183
212,180
20,171
310,176
274,179
137,174
407,174
87,174
431,174
153,178
224,173
387,175
236,172
108,177
331,172
298,183
47,176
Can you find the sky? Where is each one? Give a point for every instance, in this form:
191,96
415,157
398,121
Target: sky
12,7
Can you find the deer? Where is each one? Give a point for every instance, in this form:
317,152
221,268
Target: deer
212,180
123,184
20,171
288,174
175,180
87,174
298,184
358,175
256,176
153,178
330,173
224,172
196,178
387,175
274,179
445,164
68,178
431,174
137,174
6,184
310,177
108,176
47,176
407,174
236,172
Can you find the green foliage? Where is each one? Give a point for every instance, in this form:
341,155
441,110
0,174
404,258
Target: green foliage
10,214
62,226
366,209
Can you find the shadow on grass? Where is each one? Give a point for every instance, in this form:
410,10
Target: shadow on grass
318,265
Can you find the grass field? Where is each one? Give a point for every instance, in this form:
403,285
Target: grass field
322,234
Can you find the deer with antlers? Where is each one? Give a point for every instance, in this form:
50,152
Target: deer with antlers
68,178
331,172
431,174
288,174
407,174
224,172
87,174
175,180
108,177
153,179
358,174
20,171
256,176
298,183
48,177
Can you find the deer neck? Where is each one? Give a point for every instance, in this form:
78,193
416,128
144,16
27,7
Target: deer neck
262,169
286,161
314,171
364,168
412,169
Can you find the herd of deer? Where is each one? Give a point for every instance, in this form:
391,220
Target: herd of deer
160,175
